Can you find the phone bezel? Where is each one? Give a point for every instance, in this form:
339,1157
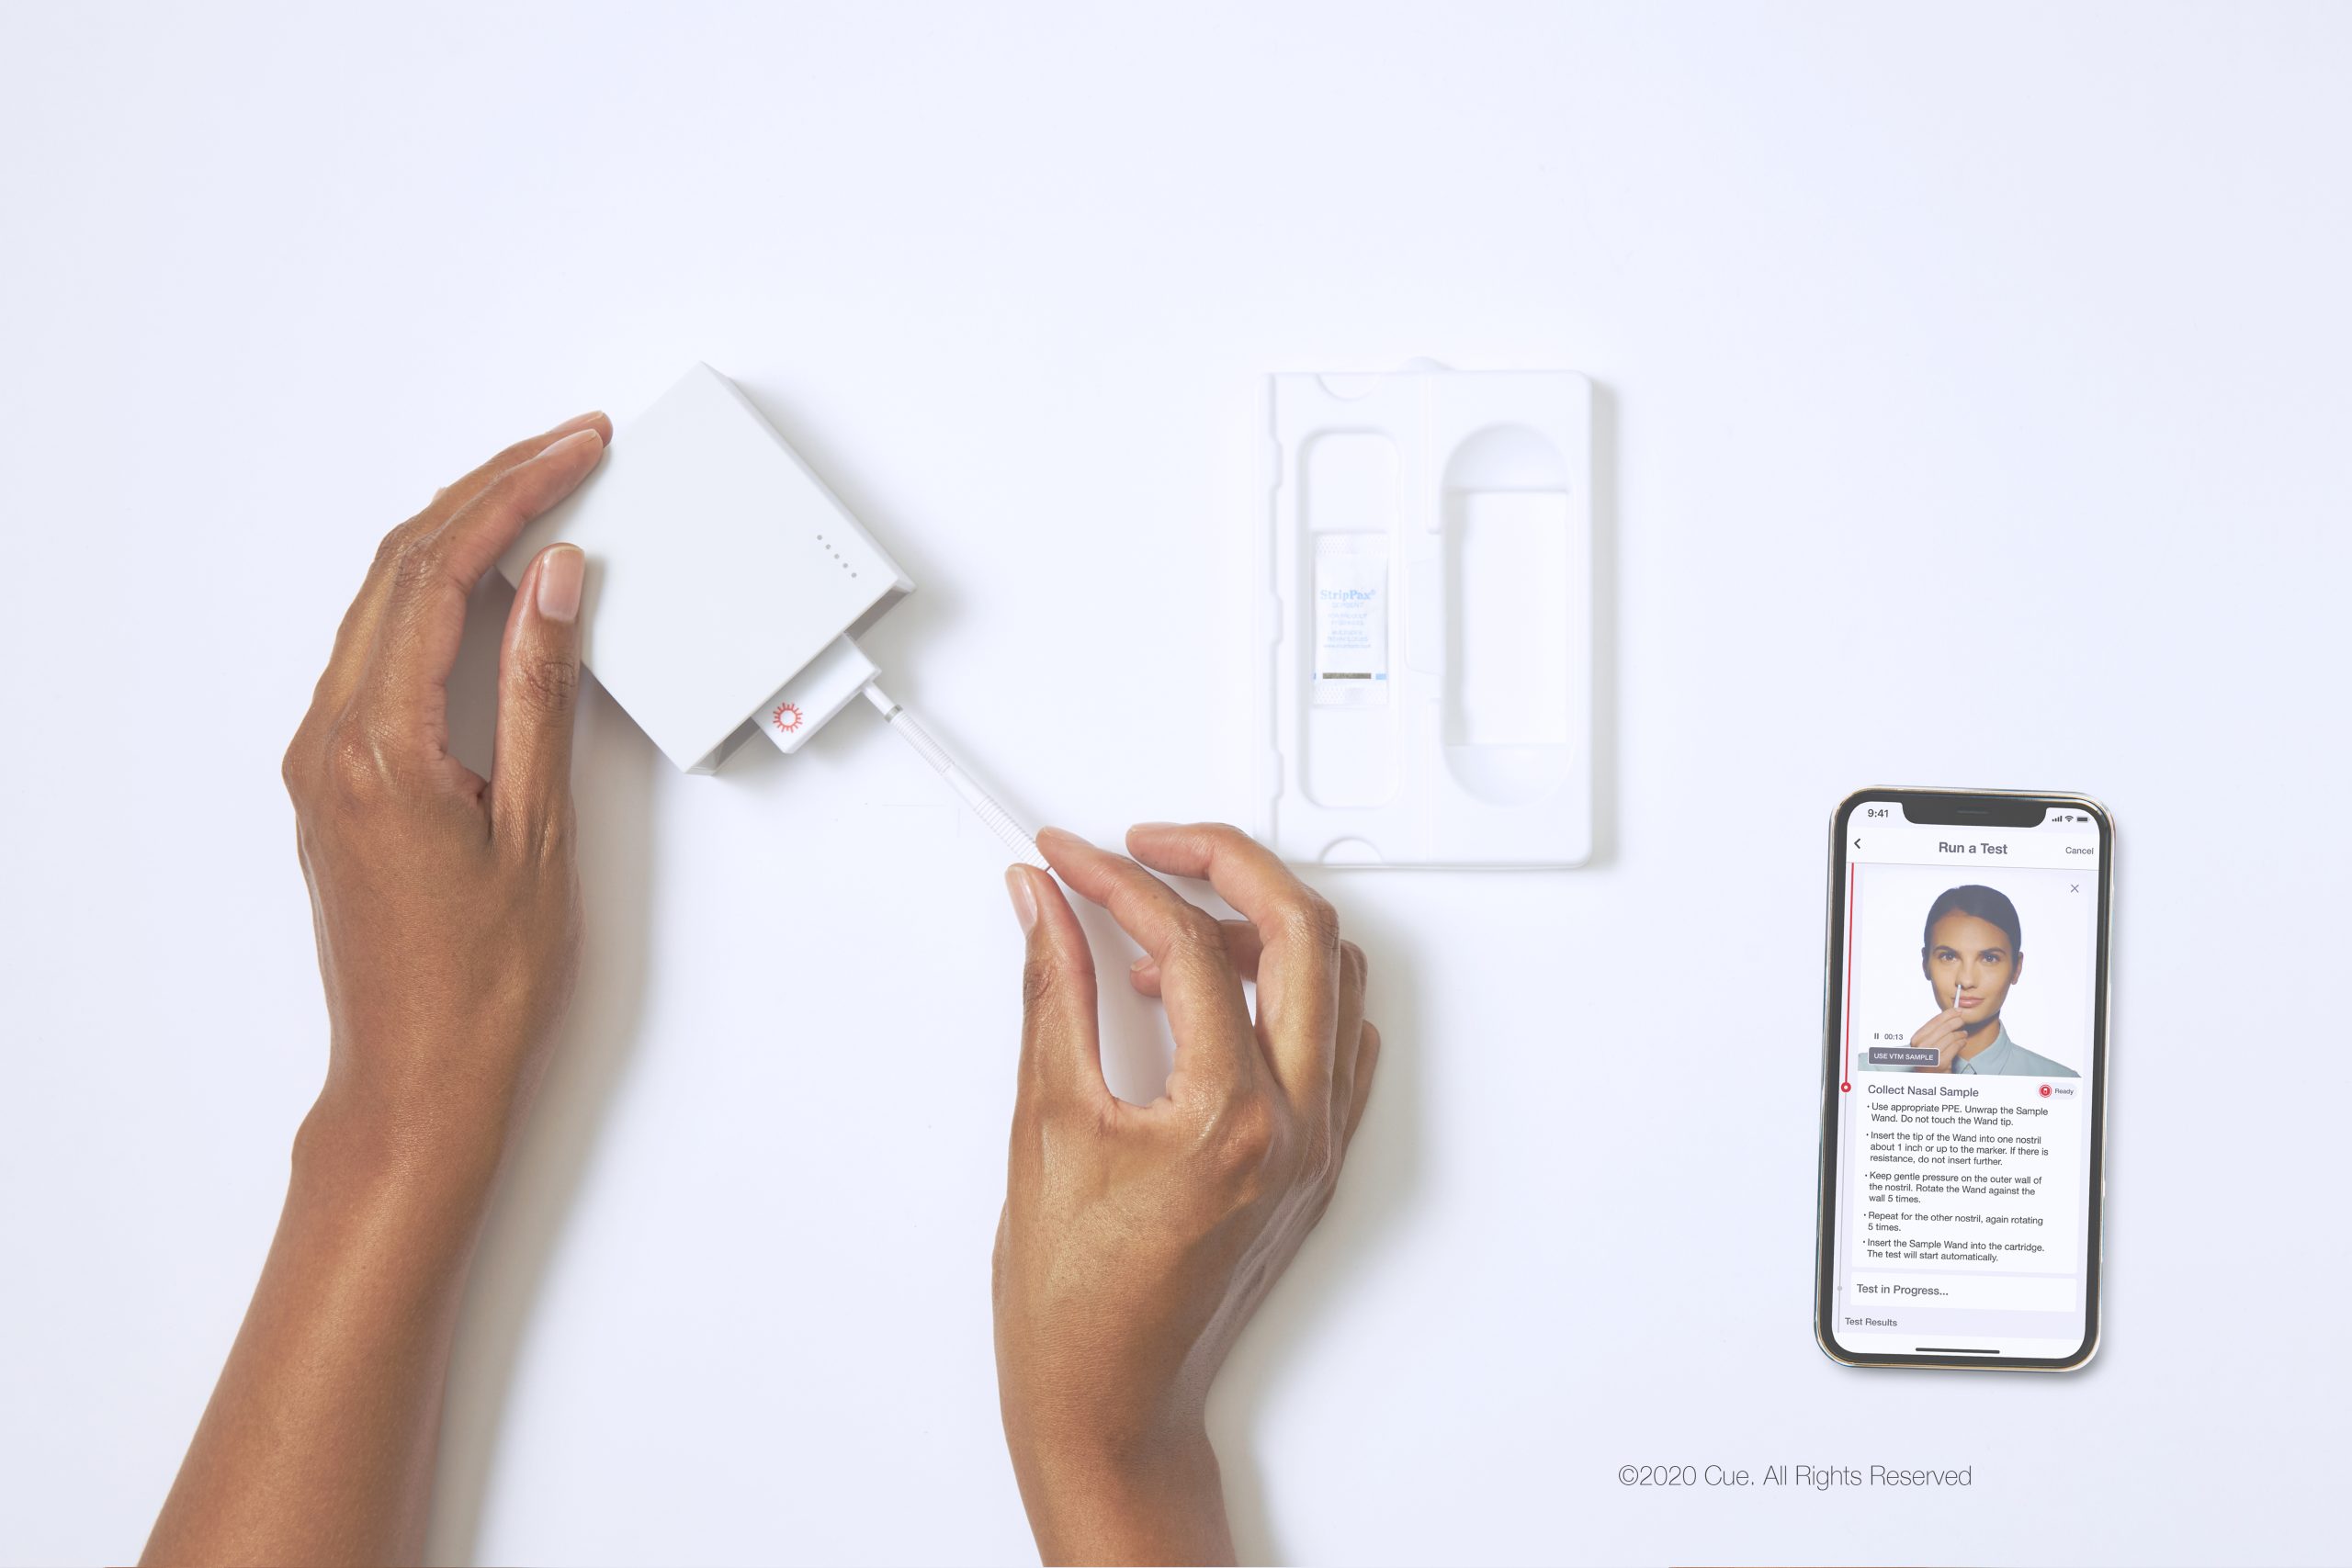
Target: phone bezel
1938,804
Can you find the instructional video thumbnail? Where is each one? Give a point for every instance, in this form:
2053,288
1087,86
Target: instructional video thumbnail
1959,972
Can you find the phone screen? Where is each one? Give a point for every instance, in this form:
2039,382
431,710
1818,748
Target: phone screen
1960,1155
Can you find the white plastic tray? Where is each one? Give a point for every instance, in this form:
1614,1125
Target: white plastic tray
1440,711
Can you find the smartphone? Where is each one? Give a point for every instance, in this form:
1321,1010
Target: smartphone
1963,1099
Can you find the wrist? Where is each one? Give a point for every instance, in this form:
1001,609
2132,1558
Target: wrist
1159,1498
356,1149
379,1224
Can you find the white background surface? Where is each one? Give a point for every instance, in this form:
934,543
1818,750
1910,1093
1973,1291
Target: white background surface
1982,363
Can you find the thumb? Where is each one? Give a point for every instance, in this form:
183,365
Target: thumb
539,687
1061,1055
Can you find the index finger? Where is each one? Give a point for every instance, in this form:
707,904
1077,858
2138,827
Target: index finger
1298,972
423,617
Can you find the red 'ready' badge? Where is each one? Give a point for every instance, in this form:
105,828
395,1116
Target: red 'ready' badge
2045,1092
787,718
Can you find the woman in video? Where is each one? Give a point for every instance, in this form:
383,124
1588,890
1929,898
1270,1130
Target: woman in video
1971,953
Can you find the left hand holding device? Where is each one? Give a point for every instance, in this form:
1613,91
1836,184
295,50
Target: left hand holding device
447,910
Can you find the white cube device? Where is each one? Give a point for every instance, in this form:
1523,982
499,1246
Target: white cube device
719,569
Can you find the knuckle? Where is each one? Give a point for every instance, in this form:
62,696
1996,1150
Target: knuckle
1039,979
294,768
1311,918
393,545
1197,933
354,767
420,565
549,684
1246,1137
411,535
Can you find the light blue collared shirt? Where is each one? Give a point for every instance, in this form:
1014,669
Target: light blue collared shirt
2006,1058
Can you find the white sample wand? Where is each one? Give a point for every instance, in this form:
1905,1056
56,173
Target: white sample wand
1000,820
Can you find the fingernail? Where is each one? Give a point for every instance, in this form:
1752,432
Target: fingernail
1025,902
1150,827
1140,965
578,421
1045,833
561,572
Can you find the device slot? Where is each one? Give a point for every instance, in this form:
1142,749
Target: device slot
1511,578
1344,618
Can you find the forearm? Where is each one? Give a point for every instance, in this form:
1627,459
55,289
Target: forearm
1163,1505
318,1444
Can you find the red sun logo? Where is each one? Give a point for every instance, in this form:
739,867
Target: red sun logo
788,716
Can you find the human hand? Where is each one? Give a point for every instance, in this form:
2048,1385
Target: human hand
447,905
1945,1033
447,916
1137,1240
